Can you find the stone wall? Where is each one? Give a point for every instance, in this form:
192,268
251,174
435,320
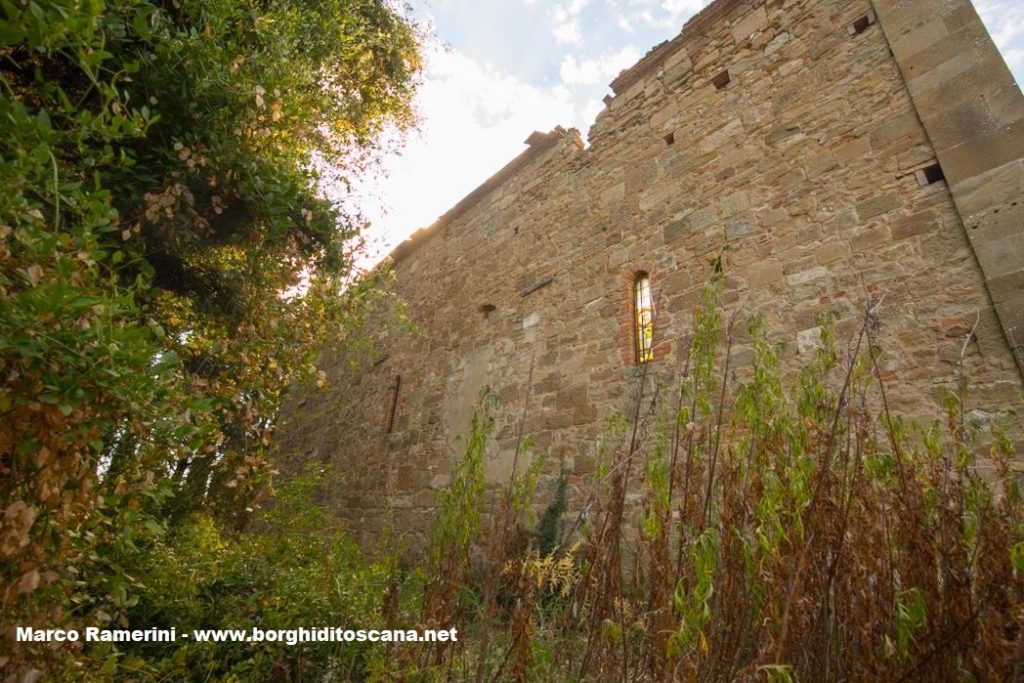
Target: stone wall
973,114
779,138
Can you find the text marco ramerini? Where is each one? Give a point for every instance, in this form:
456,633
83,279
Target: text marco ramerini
289,636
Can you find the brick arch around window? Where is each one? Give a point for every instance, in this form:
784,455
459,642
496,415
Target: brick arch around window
626,316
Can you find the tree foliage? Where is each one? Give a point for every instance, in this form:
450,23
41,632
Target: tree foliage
169,262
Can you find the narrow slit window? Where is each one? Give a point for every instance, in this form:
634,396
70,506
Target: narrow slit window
643,309
389,423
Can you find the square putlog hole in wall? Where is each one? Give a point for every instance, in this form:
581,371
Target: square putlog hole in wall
721,80
929,175
858,27
670,139
487,310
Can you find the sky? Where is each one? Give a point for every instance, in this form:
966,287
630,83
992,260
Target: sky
498,70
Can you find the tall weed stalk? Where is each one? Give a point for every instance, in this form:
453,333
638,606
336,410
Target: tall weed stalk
786,529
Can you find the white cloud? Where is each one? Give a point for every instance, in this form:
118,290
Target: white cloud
577,6
677,8
588,113
475,118
1004,20
568,33
600,70
567,28
666,14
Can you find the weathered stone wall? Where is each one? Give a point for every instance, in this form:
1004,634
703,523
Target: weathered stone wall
974,117
807,173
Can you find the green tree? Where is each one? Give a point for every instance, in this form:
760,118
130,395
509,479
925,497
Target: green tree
170,263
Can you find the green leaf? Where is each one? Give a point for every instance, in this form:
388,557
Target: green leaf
41,154
1017,557
29,446
11,34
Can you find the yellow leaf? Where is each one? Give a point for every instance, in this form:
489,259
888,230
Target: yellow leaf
34,274
29,582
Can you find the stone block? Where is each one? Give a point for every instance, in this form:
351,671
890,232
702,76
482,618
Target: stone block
615,193
876,206
1006,103
833,251
870,238
986,76
733,204
1002,256
820,163
916,157
680,57
640,176
677,281
962,123
980,194
896,128
737,68
916,224
740,226
927,76
776,42
962,16
677,72
822,41
759,40
806,276
763,274
663,115
706,59
1001,227
851,150
702,218
771,217
749,23
918,39
572,398
782,133
807,341
675,230
902,16
983,153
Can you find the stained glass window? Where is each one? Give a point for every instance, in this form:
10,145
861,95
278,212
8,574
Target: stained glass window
643,309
